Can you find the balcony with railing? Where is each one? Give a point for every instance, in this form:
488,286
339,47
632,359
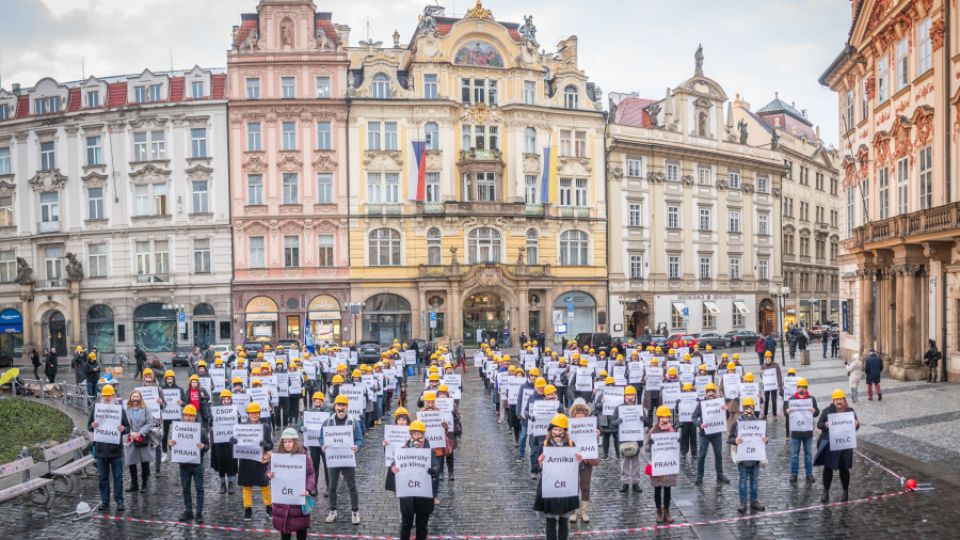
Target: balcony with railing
944,218
391,209
50,284
47,227
481,154
151,279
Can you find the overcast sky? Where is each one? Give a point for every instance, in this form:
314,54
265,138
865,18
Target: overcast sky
751,47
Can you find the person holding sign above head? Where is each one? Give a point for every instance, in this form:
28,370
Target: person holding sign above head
838,425
188,443
221,459
252,470
556,498
108,422
137,447
748,455
800,409
627,420
415,492
293,474
340,446
710,416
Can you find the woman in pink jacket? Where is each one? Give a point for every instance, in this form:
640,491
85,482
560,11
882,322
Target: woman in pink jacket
289,519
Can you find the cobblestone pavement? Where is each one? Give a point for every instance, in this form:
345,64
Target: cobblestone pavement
492,494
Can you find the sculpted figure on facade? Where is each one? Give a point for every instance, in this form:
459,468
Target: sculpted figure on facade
74,267
286,33
698,58
250,42
742,128
528,30
24,272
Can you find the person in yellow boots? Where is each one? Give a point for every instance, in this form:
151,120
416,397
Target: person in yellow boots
253,472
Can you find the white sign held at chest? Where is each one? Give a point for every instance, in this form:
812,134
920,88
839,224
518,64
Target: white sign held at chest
665,454
751,447
561,472
843,431
187,437
108,417
289,482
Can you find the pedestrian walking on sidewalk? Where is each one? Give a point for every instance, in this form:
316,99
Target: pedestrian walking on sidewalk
873,367
932,358
854,375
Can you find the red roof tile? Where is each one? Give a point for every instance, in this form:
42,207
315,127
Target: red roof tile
23,106
630,112
514,33
73,100
324,21
219,85
117,95
246,25
176,88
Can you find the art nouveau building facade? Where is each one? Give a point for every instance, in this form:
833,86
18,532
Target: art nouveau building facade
457,213
114,217
898,129
287,84
694,215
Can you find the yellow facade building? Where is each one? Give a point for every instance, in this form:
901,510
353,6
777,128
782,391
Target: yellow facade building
477,197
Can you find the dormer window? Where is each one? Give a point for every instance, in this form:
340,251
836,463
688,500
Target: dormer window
93,99
196,90
146,93
381,86
4,111
48,105
571,97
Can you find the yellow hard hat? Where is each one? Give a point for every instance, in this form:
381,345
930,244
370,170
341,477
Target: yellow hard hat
663,410
92,356
107,390
603,373
710,386
256,382
194,378
317,395
429,396
401,411
748,377
341,367
559,420
342,399
654,361
147,371
608,381
533,371
417,425
709,348
736,356
236,380
838,394
748,402
443,388
731,366
703,367
511,370
189,409
433,377
791,371
253,407
226,393
724,355
356,373
540,383
687,387
168,373
801,382
549,390
202,363
629,391
686,356
583,362
767,354
218,361
337,379
671,371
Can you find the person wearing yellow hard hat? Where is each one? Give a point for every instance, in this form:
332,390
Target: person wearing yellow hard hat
514,404
430,408
770,393
288,519
294,393
453,436
91,373
109,455
252,468
730,390
834,460
401,418
688,430
714,440
749,469
221,453
198,396
804,405
579,409
317,404
532,392
557,510
628,452
155,404
170,387
138,446
341,418
191,473
415,511
663,484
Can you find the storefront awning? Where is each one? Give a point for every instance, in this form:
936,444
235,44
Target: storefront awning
679,307
740,307
711,307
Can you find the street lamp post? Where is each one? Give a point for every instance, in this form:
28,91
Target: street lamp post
781,294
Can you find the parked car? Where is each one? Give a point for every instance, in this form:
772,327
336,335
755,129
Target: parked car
254,347
289,344
369,352
599,342
656,341
713,339
179,357
681,340
740,338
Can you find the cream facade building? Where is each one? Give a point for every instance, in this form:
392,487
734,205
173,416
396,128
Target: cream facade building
694,215
471,241
114,215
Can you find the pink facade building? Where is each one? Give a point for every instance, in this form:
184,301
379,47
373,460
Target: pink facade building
287,114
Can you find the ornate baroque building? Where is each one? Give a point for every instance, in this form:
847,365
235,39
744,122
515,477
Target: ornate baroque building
287,83
449,139
810,209
114,217
694,214
898,130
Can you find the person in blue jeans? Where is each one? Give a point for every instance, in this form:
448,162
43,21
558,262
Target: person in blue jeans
801,438
109,455
749,470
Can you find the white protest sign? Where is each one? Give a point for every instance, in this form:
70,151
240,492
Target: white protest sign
584,382
433,420
686,406
700,382
654,378
396,436
109,417
241,400
665,454
289,482
445,404
710,359
542,410
583,433
296,383
634,373
731,385
357,394
631,423
670,394
253,453
843,431
751,447
560,473
801,417
789,385
224,419
340,457
151,400
750,389
186,435
248,434
513,389
713,416
207,384
259,394
171,404
620,375
410,358
612,398
313,424
338,436
770,381
413,480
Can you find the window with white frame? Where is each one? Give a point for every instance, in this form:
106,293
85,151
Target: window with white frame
288,87
883,78
849,120
432,181
706,218
50,207
763,184
735,267
53,262
254,139
530,189
474,91
706,267
704,176
851,215
150,199
434,247
47,105
288,135
93,99
883,193
324,136
97,260
737,320
430,86
323,87
486,186
566,191
763,269
864,99
581,192
574,245
325,250
533,246
94,150
926,177
324,188
708,320
923,46
5,166
196,90
48,156
733,217
580,144
529,92
95,203
763,224
257,252
198,142
903,56
673,217
480,137
253,88
149,145
636,266
673,266
634,214
431,135
153,257
392,188
291,251
200,192
571,97
633,167
733,179
374,188
384,247
390,137
291,188
6,211
483,246
673,172
677,320
254,189
530,140
201,256
566,143
381,86
373,135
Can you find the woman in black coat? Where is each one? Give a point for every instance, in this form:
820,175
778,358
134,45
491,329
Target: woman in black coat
557,511
415,511
252,473
834,460
50,367
221,456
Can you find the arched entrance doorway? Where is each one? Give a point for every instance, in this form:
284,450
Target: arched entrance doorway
767,318
485,317
55,332
386,317
324,316
639,319
260,317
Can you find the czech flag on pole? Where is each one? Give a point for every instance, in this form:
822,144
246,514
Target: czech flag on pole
418,172
548,184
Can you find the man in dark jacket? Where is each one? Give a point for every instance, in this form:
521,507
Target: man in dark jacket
802,438
35,360
50,366
192,472
705,441
91,374
141,359
931,358
770,345
109,455
872,367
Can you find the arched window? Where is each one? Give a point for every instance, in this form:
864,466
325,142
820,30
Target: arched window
573,248
203,310
571,98
100,329
530,140
483,246
533,246
434,248
431,134
381,86
384,247
386,317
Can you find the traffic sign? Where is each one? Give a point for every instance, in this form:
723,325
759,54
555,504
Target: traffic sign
433,319
181,316
686,312
557,317
560,328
